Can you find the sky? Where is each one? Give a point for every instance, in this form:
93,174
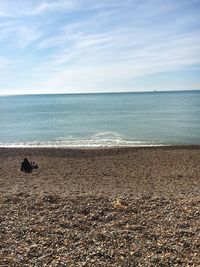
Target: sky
83,46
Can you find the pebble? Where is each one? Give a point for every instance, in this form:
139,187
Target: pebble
98,231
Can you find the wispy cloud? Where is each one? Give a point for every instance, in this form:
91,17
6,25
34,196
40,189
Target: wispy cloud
98,45
20,8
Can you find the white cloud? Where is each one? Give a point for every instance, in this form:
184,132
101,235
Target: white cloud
19,34
18,8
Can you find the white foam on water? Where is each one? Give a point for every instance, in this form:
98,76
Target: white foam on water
100,139
107,135
81,143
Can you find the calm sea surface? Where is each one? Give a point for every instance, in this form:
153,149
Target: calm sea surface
124,119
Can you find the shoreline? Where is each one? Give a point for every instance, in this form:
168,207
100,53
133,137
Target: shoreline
13,151
93,144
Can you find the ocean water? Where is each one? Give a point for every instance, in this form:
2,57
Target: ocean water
90,120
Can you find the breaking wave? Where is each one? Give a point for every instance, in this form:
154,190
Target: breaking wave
81,143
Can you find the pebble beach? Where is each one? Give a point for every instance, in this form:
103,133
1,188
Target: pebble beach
100,207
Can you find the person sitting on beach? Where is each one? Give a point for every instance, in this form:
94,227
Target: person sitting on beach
26,166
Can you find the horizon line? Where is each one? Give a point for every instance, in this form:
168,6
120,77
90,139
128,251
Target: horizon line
114,92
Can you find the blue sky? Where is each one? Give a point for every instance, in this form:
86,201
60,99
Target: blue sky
73,46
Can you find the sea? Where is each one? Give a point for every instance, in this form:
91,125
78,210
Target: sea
100,120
